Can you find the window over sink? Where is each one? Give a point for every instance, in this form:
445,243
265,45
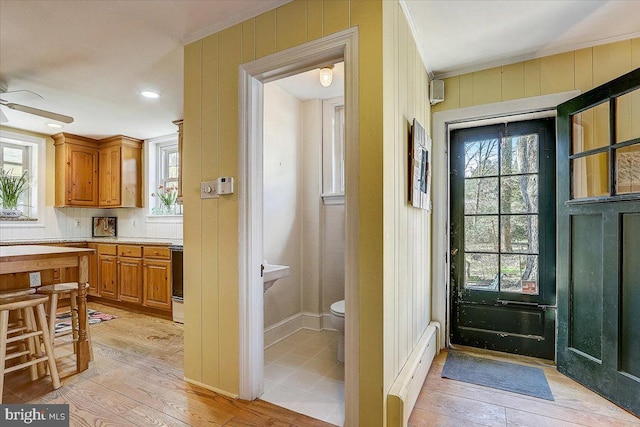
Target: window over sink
164,163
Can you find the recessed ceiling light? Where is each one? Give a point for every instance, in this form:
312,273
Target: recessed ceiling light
54,125
149,94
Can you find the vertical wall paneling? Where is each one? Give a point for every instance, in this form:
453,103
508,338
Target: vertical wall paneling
611,61
466,90
513,81
314,20
265,34
532,78
635,53
291,24
336,16
487,86
193,357
583,69
249,40
557,73
210,209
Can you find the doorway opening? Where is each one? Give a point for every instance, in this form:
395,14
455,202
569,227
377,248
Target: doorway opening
502,181
329,50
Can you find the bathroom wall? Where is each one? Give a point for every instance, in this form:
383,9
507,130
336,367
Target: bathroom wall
282,196
299,230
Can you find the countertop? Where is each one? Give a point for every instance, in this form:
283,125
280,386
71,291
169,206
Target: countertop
116,240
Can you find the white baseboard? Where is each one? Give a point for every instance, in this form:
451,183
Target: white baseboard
289,326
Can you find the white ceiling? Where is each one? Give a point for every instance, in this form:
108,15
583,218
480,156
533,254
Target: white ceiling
89,59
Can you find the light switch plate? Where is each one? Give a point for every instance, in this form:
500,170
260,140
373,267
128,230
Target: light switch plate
208,190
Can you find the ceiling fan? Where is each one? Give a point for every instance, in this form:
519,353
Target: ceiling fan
26,109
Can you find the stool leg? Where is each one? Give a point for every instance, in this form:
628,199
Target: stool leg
53,307
4,327
74,320
31,321
31,343
51,360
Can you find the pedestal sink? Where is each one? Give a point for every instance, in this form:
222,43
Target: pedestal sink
273,272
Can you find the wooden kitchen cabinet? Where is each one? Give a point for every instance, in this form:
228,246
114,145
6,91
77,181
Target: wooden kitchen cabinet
130,273
107,271
105,173
76,170
157,277
120,172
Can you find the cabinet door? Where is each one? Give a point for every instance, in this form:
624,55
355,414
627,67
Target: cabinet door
110,176
130,279
108,276
82,176
157,284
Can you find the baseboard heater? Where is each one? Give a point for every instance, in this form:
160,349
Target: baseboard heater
404,391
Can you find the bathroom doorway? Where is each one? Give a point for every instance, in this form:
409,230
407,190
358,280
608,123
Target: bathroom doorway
304,242
253,76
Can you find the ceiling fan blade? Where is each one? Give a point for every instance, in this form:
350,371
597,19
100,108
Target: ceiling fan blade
39,112
3,118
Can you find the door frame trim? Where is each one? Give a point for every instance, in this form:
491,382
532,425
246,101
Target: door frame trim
443,122
342,46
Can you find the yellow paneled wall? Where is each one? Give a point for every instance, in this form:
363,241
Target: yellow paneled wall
581,69
389,252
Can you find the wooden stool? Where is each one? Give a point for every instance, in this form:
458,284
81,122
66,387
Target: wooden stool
19,323
54,291
26,305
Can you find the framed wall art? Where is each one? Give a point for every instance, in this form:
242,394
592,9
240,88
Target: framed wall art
104,226
419,167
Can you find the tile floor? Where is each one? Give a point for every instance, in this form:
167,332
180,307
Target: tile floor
302,374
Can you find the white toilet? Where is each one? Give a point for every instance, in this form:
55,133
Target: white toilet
337,320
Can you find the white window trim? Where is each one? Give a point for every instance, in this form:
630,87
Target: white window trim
151,150
332,184
39,145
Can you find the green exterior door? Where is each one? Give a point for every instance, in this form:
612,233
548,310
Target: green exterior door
599,240
503,237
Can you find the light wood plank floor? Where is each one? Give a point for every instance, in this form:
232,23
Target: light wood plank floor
136,379
445,402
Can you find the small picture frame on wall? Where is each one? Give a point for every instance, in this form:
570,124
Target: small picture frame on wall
104,226
419,167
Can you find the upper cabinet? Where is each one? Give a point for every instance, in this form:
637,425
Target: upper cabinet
120,172
76,170
105,173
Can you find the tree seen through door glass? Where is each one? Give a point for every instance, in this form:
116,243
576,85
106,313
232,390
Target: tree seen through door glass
501,221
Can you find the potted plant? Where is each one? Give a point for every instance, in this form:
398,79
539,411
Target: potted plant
167,198
11,188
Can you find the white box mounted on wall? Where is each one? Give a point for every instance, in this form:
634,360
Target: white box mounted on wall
436,91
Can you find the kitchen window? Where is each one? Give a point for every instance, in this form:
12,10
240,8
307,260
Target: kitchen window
165,178
19,153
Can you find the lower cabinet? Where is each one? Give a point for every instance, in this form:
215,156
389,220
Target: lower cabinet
135,274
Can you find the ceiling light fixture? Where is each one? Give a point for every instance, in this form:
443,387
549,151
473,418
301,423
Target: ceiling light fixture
150,94
54,125
326,76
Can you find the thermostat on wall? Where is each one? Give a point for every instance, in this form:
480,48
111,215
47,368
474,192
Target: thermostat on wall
225,185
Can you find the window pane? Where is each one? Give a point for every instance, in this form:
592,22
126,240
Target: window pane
519,273
172,158
519,233
14,170
590,176
12,155
519,194
627,124
481,233
173,172
481,271
628,169
591,128
481,158
481,196
519,154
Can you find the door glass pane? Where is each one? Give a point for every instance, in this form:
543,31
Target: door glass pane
481,196
481,158
519,273
627,111
628,169
519,194
481,233
519,233
481,271
12,155
590,176
591,129
519,154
